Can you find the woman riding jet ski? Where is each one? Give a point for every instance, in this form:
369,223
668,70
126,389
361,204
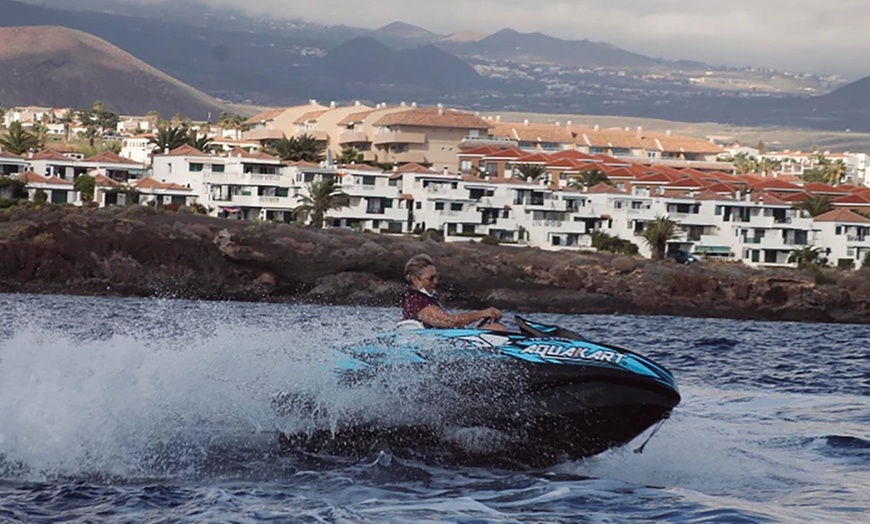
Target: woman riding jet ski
534,396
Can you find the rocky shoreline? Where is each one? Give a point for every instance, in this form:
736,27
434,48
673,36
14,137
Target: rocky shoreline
137,251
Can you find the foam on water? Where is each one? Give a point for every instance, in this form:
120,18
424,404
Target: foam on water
142,390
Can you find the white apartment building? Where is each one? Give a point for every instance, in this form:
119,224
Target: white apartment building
844,236
239,184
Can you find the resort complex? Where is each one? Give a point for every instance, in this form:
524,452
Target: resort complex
406,169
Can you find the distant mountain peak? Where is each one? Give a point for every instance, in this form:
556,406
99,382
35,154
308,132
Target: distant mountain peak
404,30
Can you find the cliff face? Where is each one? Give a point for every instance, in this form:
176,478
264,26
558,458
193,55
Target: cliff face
139,252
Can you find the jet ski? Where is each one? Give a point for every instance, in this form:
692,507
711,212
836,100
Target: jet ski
536,396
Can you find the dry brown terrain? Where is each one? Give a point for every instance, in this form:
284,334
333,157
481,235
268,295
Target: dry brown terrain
59,67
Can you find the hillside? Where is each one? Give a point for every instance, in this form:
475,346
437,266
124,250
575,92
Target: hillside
509,44
61,67
367,62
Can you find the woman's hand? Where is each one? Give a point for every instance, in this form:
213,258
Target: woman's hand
491,313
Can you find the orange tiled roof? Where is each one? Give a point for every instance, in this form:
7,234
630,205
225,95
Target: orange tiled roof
150,183
433,117
844,216
311,116
51,154
359,116
817,187
712,195
265,116
768,198
853,199
185,150
533,159
29,177
111,158
776,185
481,151
59,181
531,132
603,188
574,155
8,154
102,180
238,152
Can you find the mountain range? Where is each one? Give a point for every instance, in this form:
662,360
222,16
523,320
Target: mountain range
269,62
61,67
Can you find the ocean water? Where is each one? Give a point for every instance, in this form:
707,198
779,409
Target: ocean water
130,410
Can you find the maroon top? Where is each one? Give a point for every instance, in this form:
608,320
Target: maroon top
415,301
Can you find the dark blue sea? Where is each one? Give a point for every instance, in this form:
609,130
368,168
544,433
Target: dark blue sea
129,410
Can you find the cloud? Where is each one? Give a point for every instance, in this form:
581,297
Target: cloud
798,35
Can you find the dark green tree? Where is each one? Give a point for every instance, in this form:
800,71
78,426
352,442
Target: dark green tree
817,205
349,155
196,141
18,140
86,185
590,178
657,233
169,137
303,148
322,197
531,172
807,257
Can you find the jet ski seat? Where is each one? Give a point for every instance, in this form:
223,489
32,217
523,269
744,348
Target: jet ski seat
410,324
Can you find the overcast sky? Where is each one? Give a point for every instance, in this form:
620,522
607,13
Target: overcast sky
824,36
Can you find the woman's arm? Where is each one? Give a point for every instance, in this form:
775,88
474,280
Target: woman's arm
437,317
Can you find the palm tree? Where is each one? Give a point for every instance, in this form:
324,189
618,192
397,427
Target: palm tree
302,148
169,137
531,172
769,165
86,185
67,120
657,233
239,124
322,196
194,140
349,155
18,140
807,257
816,205
40,131
835,172
590,178
308,149
745,163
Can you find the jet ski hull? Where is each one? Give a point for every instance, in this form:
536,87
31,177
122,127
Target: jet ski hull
527,401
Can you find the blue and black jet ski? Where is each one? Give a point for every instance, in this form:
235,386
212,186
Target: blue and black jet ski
539,395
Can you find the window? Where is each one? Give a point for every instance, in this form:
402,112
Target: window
455,207
217,168
465,166
368,180
394,182
418,205
282,191
839,230
195,168
439,206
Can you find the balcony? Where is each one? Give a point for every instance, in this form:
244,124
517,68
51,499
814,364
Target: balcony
398,138
407,157
353,137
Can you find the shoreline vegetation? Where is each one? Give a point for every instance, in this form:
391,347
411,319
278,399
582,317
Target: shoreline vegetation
144,252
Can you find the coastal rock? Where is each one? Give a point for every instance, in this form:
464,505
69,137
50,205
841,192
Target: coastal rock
138,251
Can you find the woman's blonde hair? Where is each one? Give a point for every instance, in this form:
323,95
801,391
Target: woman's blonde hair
416,265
